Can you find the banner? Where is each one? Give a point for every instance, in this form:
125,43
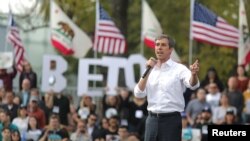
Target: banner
67,37
6,60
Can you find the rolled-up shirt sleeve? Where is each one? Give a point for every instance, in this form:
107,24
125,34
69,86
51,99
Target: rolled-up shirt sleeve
186,75
197,85
139,93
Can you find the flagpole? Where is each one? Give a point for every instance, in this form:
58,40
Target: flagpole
141,41
95,51
8,26
240,31
190,33
241,39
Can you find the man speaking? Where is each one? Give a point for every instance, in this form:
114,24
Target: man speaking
164,83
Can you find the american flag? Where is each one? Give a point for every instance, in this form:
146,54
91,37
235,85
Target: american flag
108,38
208,27
15,40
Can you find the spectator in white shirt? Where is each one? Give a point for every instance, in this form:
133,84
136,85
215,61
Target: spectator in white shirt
164,86
33,132
22,120
81,133
213,96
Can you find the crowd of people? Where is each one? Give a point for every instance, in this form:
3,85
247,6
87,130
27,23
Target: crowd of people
29,115
218,103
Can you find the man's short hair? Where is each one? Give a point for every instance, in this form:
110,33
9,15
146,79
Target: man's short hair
123,127
54,116
171,41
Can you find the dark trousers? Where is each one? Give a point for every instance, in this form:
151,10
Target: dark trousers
167,127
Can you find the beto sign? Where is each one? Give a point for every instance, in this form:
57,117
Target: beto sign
54,80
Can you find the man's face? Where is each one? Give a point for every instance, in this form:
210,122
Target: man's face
33,104
54,122
3,117
123,132
232,82
9,97
6,134
92,119
81,126
26,84
162,49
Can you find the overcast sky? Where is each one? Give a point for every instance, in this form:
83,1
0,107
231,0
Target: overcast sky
17,6
4,6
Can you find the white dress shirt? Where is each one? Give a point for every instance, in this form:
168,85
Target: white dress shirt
165,87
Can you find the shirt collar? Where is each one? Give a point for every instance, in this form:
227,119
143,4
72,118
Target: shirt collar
168,63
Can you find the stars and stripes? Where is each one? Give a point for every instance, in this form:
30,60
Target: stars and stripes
15,40
208,27
108,38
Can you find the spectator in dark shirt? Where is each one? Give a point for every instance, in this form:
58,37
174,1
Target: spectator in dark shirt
210,77
28,73
7,78
10,107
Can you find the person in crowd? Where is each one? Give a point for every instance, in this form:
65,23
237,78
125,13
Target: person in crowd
5,134
28,73
242,78
104,123
10,106
17,100
33,131
6,122
59,104
73,117
187,134
212,76
81,133
235,97
36,111
133,137
92,128
34,92
7,78
246,109
24,93
204,121
101,131
112,132
111,105
219,113
195,106
86,106
213,96
230,118
99,138
123,133
54,131
124,96
22,120
137,114
2,95
15,136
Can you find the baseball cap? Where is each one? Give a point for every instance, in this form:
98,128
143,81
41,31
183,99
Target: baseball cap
206,109
230,111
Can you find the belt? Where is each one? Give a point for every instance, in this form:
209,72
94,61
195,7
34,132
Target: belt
163,114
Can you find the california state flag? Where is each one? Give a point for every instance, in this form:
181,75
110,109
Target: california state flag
244,43
151,28
66,37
